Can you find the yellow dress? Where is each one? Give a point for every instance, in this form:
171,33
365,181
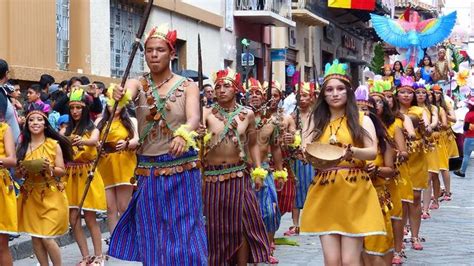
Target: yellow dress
380,245
442,146
117,168
418,169
395,185
432,152
42,203
8,219
450,138
76,176
342,201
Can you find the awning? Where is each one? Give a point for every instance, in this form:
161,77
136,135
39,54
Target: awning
308,17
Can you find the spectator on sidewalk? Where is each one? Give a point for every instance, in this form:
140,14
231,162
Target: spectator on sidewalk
5,104
468,137
45,82
33,97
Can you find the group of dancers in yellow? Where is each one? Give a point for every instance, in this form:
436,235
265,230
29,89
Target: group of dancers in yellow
53,167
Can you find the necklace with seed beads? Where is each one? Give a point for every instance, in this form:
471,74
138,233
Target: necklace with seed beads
333,136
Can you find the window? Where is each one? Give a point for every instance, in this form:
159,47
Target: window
62,34
178,63
125,20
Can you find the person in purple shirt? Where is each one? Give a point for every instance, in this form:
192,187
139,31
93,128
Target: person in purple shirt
33,98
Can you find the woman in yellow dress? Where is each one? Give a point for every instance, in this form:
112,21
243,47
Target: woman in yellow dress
423,100
448,144
418,170
84,137
117,166
400,187
346,187
42,203
8,219
378,250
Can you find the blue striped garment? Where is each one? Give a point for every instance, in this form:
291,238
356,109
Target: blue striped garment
304,175
163,224
267,198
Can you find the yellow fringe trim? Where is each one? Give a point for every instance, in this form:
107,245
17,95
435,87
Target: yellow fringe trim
207,137
111,102
188,136
297,142
281,174
258,173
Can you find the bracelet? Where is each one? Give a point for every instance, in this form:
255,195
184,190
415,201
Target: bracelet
188,136
258,173
297,142
123,101
281,174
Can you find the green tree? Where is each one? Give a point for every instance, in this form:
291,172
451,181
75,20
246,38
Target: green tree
378,60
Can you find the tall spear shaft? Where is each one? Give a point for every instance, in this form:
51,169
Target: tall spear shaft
136,45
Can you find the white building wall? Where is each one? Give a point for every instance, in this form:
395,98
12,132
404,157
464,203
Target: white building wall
100,37
188,29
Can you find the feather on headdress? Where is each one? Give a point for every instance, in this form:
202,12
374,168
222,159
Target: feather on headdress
163,32
227,76
336,70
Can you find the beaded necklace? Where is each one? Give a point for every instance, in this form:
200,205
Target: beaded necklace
230,125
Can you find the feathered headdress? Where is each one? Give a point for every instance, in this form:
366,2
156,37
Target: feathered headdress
336,70
253,84
305,87
227,76
110,100
77,97
163,32
380,87
419,85
362,95
36,108
406,82
436,87
275,84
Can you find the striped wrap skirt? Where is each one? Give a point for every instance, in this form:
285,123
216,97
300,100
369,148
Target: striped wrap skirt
286,195
163,225
304,173
267,198
232,214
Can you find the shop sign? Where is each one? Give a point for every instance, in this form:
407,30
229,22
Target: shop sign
348,42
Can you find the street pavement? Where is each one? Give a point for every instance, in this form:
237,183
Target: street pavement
449,236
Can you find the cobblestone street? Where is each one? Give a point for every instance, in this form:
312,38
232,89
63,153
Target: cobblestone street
449,236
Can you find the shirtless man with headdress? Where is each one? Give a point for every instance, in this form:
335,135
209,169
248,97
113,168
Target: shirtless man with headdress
304,171
163,224
236,233
288,139
268,128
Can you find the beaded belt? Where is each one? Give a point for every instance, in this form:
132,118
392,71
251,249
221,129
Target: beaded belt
166,168
329,175
224,172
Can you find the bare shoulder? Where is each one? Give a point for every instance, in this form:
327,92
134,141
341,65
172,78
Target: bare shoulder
134,83
367,122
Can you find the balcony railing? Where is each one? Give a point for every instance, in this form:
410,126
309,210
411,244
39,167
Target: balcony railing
309,12
280,7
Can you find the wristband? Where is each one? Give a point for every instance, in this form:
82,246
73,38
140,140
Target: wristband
188,136
281,174
258,173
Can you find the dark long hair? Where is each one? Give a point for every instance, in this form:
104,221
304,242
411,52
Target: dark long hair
49,132
380,129
321,115
82,126
442,102
422,62
401,67
124,118
387,116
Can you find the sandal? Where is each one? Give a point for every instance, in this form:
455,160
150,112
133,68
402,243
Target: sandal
292,231
397,258
416,243
273,260
425,215
84,262
97,261
434,205
406,229
447,196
